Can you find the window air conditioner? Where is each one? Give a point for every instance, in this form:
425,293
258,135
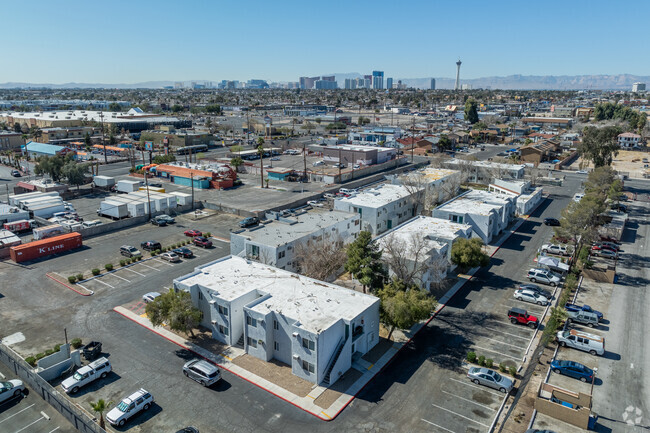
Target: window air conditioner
296,357
214,322
295,334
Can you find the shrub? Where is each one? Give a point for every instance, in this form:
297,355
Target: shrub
153,253
481,360
31,361
72,278
57,348
583,254
49,352
108,266
471,357
513,371
489,363
122,262
208,234
95,271
80,277
502,367
40,356
76,343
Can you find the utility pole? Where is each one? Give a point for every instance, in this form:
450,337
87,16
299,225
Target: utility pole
146,184
192,183
101,118
412,140
304,161
339,164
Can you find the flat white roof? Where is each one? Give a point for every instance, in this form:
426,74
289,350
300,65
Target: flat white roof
434,227
474,202
108,116
314,304
278,232
409,233
377,197
489,164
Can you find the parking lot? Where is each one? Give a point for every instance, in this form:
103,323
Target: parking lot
29,413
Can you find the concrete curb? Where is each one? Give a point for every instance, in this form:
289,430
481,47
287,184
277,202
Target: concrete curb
69,287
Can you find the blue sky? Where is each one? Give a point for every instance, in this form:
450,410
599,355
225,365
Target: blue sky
134,41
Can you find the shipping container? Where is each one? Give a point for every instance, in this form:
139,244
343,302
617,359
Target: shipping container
104,181
45,247
47,231
18,226
182,198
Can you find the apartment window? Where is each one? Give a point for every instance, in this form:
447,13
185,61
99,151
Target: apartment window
251,342
276,345
357,222
200,295
223,330
251,321
281,254
276,325
308,344
308,366
222,310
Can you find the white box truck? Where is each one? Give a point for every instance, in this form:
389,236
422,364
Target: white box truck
113,209
103,181
127,186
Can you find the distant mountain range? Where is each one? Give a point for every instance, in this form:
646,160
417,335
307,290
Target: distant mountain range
515,82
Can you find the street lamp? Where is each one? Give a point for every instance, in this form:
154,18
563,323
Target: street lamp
101,118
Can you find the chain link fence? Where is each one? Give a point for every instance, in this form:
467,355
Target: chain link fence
80,419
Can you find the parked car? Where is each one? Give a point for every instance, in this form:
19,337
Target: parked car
150,246
166,218
583,317
15,173
170,257
619,207
520,316
315,203
561,250
248,222
534,430
594,344
543,276
202,372
490,378
530,296
92,350
608,246
86,374
574,307
602,252
184,252
11,388
275,158
582,172
129,407
551,222
318,163
193,233
149,297
129,251
572,369
535,288
610,240
578,197
155,184
202,242
158,222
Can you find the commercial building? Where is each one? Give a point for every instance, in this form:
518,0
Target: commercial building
538,152
135,120
433,84
638,87
176,137
257,84
485,171
202,176
10,140
280,242
380,208
385,136
35,149
489,214
350,155
305,110
307,82
315,327
377,79
423,246
350,83
389,83
325,85
64,135
559,122
528,197
629,139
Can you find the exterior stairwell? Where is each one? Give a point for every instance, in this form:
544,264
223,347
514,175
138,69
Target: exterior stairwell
240,342
335,357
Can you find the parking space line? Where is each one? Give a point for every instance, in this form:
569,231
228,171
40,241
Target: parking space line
11,416
121,278
147,266
496,351
436,425
462,416
18,431
507,333
100,281
533,309
473,385
164,263
2,375
507,344
135,272
52,431
469,401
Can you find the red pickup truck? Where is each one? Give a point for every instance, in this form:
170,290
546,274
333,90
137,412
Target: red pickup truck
517,315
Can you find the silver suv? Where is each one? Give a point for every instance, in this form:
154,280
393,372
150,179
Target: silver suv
129,251
543,276
202,371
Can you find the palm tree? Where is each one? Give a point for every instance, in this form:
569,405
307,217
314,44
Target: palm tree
101,406
260,152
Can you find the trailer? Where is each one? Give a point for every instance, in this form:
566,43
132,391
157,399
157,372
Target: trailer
18,226
46,210
47,231
103,181
45,247
113,209
127,186
17,199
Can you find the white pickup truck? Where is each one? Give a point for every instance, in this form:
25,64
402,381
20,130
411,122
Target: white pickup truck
89,373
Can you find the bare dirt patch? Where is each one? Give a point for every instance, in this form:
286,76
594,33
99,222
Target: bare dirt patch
332,394
275,372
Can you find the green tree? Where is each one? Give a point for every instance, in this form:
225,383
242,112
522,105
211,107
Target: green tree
599,145
176,310
471,113
87,141
364,262
51,165
468,253
164,159
75,173
479,126
99,407
177,108
402,306
213,109
578,220
114,106
445,143
236,163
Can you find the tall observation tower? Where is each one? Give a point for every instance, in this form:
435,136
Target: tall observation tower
457,86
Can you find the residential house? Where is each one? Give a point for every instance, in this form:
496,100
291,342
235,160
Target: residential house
560,122
489,214
458,137
312,326
279,242
528,196
628,139
424,247
536,153
380,208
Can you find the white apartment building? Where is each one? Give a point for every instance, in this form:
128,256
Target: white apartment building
629,139
424,246
528,197
276,243
314,327
440,183
485,171
380,208
489,214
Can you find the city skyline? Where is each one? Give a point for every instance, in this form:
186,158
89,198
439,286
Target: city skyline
226,41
